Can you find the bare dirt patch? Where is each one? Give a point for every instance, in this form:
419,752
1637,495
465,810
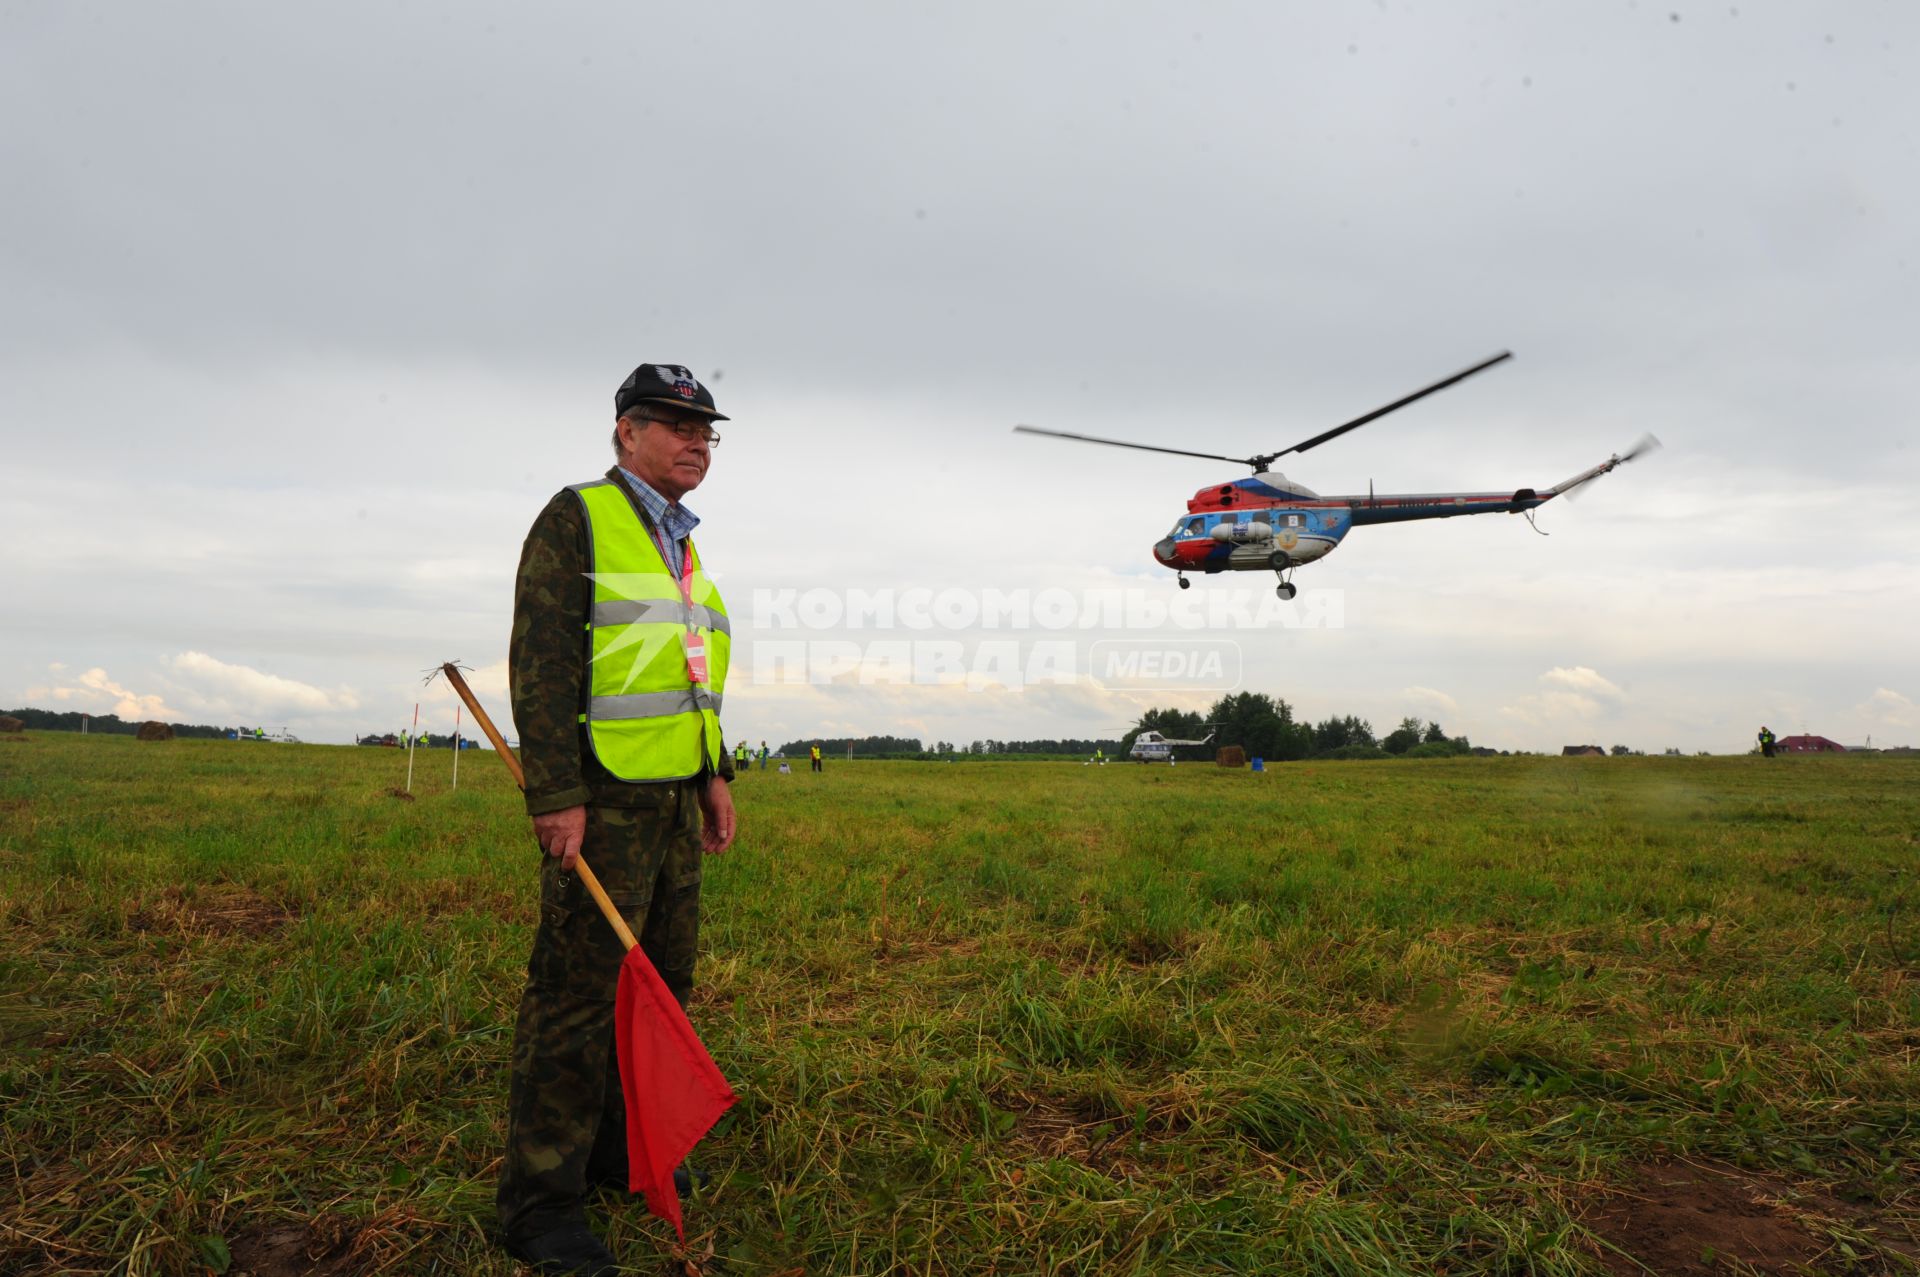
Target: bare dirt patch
401,794
1682,1219
1075,1129
1147,949
1084,1129
330,1246
294,1250
222,909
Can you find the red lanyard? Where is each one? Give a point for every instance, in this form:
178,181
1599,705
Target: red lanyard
686,578
692,643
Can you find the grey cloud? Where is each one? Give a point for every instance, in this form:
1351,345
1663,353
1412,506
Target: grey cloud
266,271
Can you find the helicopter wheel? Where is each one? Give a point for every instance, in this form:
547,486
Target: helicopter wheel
1185,584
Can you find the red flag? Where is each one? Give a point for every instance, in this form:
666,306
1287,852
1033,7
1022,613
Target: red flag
674,1093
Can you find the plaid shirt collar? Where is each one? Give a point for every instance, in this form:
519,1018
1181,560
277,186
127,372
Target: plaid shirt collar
672,523
674,519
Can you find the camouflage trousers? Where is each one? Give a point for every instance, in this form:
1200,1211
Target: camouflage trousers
566,1118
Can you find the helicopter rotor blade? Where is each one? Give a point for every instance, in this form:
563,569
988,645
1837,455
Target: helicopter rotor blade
1267,459
1143,447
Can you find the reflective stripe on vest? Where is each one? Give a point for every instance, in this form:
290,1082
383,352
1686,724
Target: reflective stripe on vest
645,719
627,611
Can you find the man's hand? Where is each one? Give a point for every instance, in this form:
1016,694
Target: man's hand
716,804
561,833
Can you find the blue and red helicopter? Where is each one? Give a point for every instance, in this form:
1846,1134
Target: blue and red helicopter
1269,523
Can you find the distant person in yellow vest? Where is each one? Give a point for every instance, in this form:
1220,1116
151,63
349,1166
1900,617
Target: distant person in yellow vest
763,755
813,756
618,667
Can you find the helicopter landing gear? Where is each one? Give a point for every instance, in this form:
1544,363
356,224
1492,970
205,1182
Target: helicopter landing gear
1282,564
1185,584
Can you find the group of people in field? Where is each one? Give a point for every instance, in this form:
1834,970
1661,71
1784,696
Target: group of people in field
744,754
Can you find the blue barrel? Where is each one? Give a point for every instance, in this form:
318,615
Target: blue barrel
1259,764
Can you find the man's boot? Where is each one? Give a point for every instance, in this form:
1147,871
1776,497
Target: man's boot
570,1250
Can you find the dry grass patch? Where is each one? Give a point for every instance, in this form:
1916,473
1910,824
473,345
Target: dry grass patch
925,949
1080,1129
218,909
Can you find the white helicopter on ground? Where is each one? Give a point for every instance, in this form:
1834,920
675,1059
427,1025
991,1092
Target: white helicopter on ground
1152,747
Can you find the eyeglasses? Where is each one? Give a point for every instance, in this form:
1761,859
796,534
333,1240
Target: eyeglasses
688,430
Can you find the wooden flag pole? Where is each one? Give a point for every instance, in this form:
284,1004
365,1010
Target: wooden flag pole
507,756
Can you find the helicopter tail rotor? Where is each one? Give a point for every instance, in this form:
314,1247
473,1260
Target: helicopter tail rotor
1571,488
1647,444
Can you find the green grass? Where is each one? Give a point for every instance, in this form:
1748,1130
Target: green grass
1035,1018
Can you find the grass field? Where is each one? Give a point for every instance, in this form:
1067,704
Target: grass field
1448,1016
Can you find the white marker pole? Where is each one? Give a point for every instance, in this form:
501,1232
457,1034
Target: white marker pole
456,747
411,742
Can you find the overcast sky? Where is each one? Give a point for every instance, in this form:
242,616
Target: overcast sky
305,314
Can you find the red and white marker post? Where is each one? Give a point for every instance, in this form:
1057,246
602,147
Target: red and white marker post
413,740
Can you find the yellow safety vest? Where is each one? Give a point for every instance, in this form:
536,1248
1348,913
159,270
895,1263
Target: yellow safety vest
646,720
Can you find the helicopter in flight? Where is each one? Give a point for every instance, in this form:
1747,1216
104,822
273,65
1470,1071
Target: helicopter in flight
1272,523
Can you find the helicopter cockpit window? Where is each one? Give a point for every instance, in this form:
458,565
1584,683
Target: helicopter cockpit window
1191,528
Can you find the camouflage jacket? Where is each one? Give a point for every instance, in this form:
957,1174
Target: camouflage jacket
547,665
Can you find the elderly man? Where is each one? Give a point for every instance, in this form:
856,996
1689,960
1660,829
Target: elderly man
618,663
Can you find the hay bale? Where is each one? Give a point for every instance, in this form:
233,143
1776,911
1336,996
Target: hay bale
151,730
11,726
1231,756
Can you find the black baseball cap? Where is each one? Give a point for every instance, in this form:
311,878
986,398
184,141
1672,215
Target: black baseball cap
671,384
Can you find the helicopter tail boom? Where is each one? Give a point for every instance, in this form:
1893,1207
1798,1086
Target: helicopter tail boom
1585,476
1647,444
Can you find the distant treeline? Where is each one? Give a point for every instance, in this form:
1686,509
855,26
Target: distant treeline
1262,725
46,720
867,745
1265,727
914,747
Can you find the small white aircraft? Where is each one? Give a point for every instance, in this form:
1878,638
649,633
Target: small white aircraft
1152,747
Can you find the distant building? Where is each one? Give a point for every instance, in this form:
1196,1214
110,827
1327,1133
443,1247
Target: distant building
1809,745
1583,751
